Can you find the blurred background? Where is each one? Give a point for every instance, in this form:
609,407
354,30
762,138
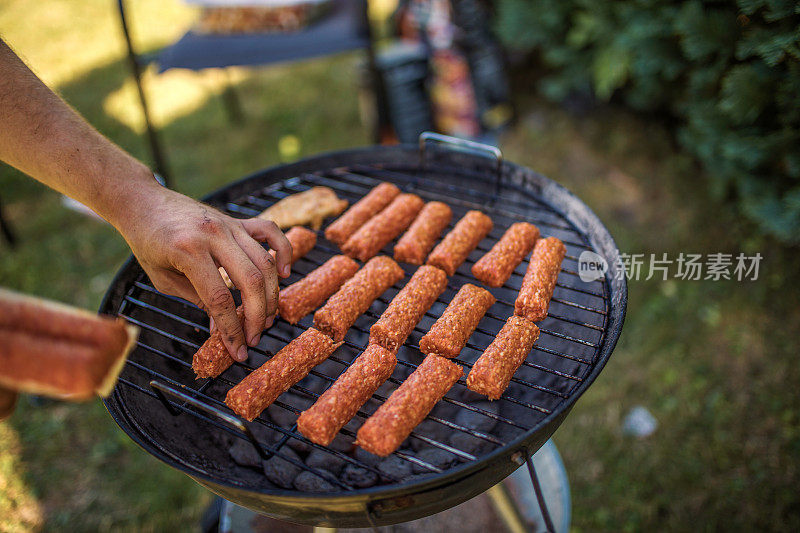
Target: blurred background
677,122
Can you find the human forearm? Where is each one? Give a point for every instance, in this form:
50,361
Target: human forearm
43,137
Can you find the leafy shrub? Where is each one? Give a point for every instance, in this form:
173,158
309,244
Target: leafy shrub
728,70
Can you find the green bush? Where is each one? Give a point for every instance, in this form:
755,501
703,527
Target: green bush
729,71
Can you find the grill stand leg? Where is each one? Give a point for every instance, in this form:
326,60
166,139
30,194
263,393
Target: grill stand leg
548,522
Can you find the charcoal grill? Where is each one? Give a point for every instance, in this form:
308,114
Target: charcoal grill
185,423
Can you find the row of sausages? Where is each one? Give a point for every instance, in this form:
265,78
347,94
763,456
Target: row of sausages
361,232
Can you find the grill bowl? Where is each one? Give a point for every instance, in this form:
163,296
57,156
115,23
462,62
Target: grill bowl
577,340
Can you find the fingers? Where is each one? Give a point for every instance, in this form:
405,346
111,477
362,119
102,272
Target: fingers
266,231
265,262
217,301
8,400
250,281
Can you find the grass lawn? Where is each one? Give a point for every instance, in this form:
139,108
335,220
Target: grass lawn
714,361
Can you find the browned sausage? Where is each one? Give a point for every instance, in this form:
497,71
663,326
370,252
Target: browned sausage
358,214
496,266
406,309
492,372
450,333
300,298
356,295
415,244
322,421
291,364
540,279
389,426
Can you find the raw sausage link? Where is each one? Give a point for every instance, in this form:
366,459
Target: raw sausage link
302,240
212,358
496,266
457,245
356,295
389,426
406,309
448,336
322,421
540,279
492,372
420,237
355,217
383,227
300,298
291,364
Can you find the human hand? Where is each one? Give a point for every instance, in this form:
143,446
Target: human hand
181,243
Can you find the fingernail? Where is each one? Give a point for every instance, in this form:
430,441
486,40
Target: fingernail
242,353
211,324
255,339
287,270
269,323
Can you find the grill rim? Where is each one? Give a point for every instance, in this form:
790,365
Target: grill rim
580,217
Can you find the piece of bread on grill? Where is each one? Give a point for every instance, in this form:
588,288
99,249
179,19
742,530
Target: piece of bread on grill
307,208
56,350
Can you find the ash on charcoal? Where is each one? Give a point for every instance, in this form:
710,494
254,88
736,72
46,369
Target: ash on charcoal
479,421
325,460
395,467
437,457
310,482
431,429
300,446
244,453
358,477
469,443
280,471
367,458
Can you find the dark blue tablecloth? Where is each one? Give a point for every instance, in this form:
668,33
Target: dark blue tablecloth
341,30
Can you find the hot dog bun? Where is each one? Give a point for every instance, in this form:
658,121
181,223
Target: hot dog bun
56,350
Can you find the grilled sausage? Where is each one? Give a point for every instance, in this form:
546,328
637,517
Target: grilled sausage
358,214
415,244
540,279
389,426
492,372
450,333
291,364
300,298
496,266
379,231
457,245
356,295
406,309
322,421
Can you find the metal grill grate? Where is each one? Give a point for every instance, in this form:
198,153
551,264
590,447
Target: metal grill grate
564,355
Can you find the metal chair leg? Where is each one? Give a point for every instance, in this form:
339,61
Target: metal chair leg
231,101
159,161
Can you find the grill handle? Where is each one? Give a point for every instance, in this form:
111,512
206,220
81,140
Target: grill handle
492,152
162,390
